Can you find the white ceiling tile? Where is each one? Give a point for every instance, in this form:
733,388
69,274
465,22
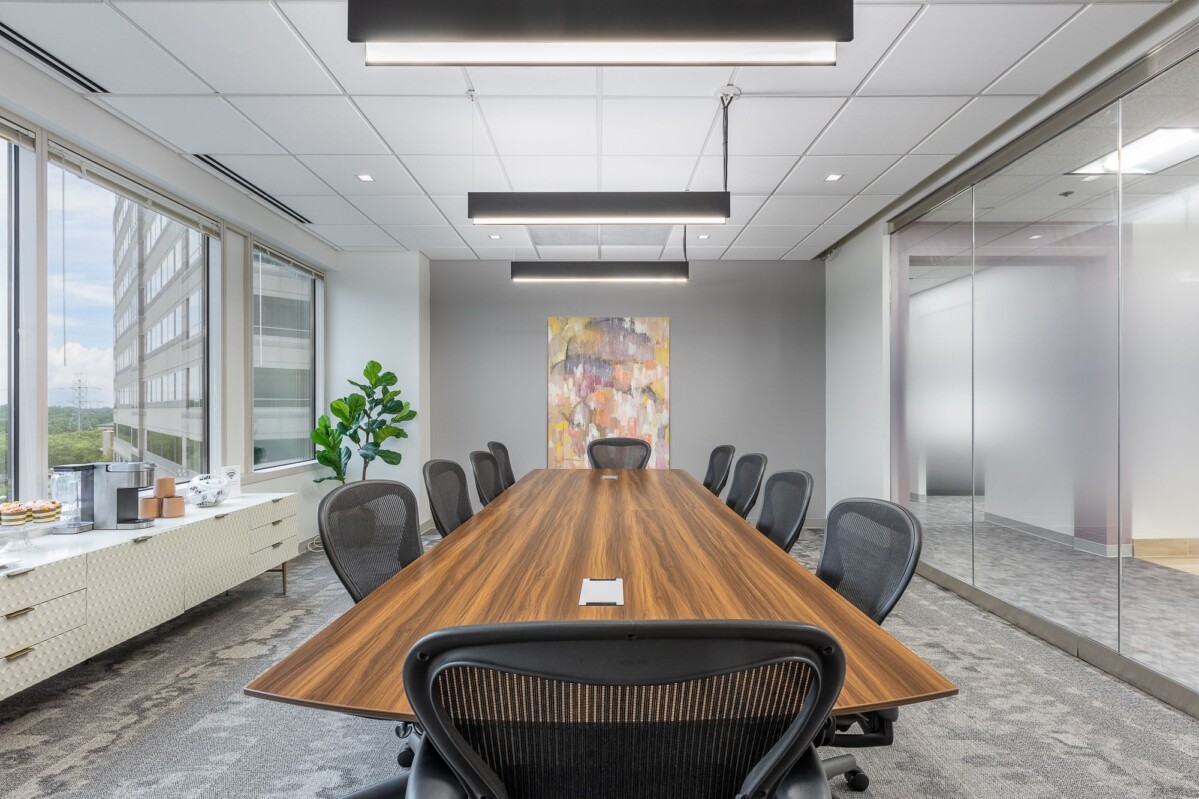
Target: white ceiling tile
552,172
665,81
541,126
237,47
744,207
506,253
95,40
401,210
717,235
342,171
646,172
856,171
454,209
355,236
657,126
748,174
803,253
773,235
981,116
196,124
323,26
418,237
754,253
828,235
619,252
426,125
875,27
322,210
576,252
885,125
675,253
276,174
449,253
775,125
861,208
781,210
509,236
959,49
909,171
517,81
312,125
1087,35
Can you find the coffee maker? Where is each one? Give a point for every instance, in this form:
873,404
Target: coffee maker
105,495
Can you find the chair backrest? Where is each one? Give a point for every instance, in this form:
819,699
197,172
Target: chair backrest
449,498
610,710
487,476
370,530
618,453
501,454
719,463
785,506
871,548
747,482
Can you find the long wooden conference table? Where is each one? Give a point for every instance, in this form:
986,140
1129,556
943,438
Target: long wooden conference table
681,552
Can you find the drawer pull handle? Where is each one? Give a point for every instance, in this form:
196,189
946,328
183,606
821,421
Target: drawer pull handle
19,572
141,539
220,516
276,546
20,653
16,614
276,499
276,523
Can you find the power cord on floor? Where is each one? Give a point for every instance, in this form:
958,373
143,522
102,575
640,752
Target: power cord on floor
315,545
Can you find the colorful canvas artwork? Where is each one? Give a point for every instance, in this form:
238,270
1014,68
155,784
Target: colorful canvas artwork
608,376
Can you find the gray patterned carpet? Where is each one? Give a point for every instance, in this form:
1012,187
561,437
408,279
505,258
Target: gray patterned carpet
163,716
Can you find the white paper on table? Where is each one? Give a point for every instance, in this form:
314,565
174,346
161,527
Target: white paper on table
602,592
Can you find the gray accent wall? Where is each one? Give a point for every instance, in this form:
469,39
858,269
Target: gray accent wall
746,360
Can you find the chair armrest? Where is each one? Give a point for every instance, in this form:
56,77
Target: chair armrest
806,780
431,778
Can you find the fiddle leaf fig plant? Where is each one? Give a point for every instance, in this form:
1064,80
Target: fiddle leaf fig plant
368,420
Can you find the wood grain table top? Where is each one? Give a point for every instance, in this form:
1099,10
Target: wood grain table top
681,552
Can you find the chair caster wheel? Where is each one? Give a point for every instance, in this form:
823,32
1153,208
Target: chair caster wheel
406,757
857,780
403,730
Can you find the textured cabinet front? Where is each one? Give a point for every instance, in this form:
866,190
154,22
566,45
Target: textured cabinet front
133,587
33,624
216,556
24,668
20,588
273,556
275,509
268,534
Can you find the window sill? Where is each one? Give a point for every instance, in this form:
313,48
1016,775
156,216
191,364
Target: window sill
275,472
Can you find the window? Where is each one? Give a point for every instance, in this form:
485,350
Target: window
127,288
285,297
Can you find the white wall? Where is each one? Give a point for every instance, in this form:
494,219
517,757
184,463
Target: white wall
857,368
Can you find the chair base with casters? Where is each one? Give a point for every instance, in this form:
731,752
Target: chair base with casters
397,786
877,729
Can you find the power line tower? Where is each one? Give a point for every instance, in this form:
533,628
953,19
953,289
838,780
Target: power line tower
82,403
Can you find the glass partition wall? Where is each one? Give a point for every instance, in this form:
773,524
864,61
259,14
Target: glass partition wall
1049,378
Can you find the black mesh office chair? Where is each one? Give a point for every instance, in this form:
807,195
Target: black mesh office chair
747,482
501,454
785,506
612,710
618,453
449,498
370,530
871,548
487,476
719,463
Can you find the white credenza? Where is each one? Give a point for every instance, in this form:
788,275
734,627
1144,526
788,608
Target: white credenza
75,596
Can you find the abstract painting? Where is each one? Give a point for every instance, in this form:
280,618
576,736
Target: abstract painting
608,376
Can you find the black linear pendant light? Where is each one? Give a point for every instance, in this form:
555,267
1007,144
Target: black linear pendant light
532,32
600,271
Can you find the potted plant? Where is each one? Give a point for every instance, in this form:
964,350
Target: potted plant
368,418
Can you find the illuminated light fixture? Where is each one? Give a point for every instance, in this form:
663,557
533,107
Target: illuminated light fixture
833,178
1034,238
533,32
599,208
600,271
704,236
495,237
366,178
1148,155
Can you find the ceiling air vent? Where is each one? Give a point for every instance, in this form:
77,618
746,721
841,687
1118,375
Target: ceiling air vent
61,67
212,163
